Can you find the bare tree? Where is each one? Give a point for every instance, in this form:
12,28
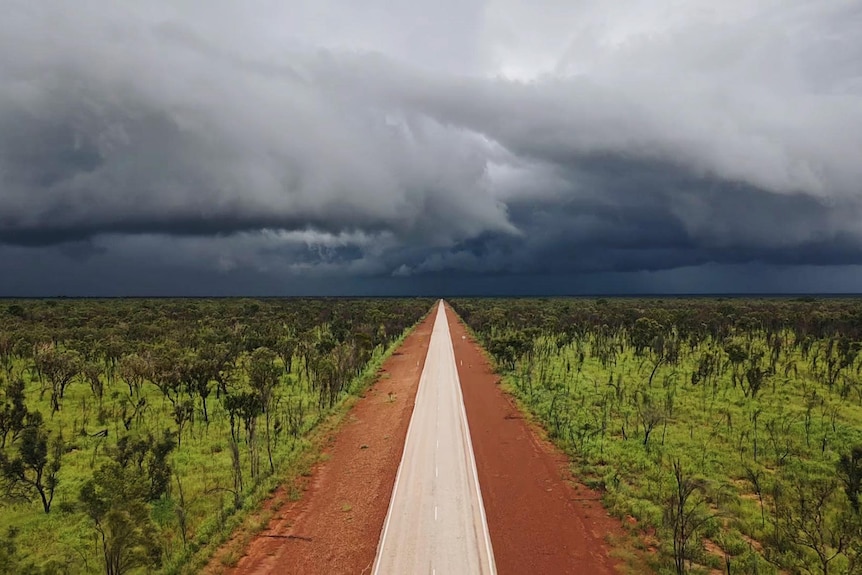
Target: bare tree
803,517
686,513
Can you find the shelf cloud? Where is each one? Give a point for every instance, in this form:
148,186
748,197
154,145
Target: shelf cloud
342,147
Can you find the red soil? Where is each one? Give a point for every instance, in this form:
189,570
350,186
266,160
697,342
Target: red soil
540,521
335,526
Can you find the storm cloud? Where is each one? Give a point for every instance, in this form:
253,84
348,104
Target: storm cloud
386,147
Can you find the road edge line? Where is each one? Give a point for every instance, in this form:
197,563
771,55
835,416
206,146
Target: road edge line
486,532
385,531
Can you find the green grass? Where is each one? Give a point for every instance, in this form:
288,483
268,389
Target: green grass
299,465
592,394
202,463
710,428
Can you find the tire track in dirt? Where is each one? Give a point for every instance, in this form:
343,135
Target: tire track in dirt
336,525
540,520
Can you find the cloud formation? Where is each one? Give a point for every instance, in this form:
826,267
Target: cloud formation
309,140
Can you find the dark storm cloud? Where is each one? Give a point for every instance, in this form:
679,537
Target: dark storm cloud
318,140
636,216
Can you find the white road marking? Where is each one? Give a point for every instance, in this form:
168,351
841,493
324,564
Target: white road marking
458,538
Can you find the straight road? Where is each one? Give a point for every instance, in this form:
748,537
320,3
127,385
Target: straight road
436,521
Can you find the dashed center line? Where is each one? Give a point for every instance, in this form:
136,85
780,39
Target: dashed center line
458,542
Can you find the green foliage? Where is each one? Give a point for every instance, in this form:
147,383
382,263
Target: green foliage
186,397
506,348
150,456
116,501
644,334
850,473
32,472
59,366
12,563
730,427
13,411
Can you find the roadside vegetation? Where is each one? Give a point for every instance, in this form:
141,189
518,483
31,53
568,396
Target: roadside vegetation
134,433
726,433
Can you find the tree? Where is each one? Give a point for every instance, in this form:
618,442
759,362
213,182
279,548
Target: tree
755,376
149,455
183,412
510,347
263,377
245,407
60,366
850,473
644,333
649,414
115,500
134,370
737,354
33,470
7,352
167,371
93,374
685,513
13,412
286,347
200,370
805,518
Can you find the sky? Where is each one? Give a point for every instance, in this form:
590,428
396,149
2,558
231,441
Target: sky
439,147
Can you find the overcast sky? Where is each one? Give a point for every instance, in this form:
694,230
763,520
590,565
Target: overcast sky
217,147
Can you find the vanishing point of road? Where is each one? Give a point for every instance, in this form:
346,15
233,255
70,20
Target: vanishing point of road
436,519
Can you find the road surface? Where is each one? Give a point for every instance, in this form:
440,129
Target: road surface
436,519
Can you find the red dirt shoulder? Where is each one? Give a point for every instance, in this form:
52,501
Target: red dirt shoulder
540,520
335,526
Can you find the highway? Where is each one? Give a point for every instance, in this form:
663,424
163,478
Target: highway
436,520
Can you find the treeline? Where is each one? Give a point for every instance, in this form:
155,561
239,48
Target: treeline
152,421
732,428
693,319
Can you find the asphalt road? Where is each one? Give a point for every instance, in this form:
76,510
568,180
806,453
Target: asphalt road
436,520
